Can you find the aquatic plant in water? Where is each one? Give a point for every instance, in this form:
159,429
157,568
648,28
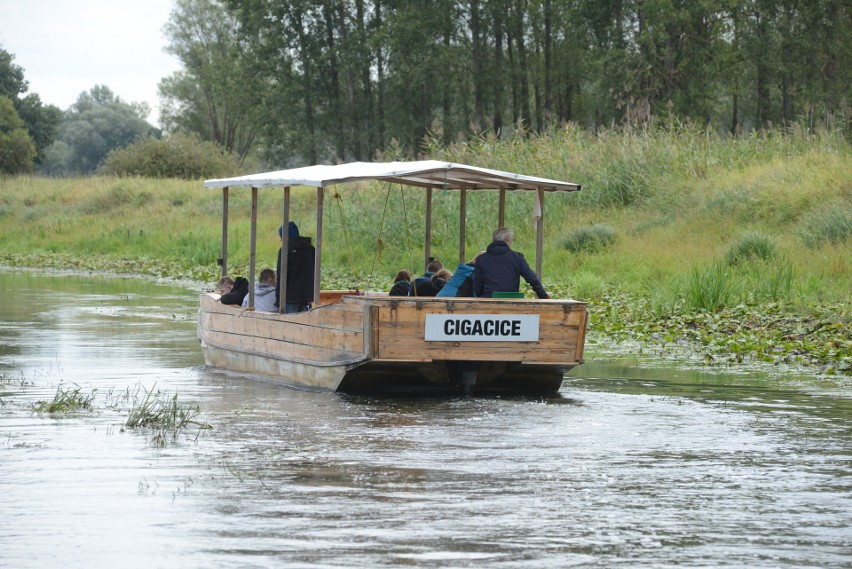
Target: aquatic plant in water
66,401
164,415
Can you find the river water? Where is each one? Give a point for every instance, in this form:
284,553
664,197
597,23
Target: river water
633,464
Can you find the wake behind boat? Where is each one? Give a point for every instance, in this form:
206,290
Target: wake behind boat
355,342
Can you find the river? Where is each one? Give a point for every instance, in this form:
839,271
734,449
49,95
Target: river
635,463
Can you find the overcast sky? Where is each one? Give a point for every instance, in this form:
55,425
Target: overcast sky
66,47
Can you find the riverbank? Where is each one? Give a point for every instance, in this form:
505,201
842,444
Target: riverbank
780,336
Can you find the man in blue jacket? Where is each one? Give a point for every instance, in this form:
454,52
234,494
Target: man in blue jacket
500,269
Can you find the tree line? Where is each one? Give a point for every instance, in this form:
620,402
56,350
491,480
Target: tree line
309,80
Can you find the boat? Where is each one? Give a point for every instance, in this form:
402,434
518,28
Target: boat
354,341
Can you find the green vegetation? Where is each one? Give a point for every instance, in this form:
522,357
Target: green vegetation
66,401
589,238
707,226
164,415
178,156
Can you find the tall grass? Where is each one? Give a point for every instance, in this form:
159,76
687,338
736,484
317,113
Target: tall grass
673,194
709,289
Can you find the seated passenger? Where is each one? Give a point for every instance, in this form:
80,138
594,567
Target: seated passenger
224,285
264,292
500,268
461,283
439,280
237,293
423,285
401,284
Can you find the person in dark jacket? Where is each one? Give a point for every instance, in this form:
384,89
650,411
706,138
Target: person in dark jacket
500,269
238,292
401,284
423,285
300,271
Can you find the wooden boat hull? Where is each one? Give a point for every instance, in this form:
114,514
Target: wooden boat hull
355,344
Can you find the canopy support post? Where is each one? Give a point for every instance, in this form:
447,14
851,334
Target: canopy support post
462,223
285,252
501,211
252,246
318,248
539,232
427,246
224,260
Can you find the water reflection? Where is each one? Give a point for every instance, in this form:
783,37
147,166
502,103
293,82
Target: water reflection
631,465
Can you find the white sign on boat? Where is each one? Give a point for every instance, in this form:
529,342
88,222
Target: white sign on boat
482,327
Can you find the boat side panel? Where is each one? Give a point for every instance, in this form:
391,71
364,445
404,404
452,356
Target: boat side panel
400,331
317,337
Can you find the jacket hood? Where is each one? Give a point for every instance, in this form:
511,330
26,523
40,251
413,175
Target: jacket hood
498,248
264,289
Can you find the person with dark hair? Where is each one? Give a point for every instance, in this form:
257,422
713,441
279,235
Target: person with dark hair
401,284
500,269
236,293
300,271
423,285
264,292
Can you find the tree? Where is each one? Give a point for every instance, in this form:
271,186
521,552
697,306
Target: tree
212,96
40,120
17,149
95,124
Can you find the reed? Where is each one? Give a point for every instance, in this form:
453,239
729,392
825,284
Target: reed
709,289
66,401
165,416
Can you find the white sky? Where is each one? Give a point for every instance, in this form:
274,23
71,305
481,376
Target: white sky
66,47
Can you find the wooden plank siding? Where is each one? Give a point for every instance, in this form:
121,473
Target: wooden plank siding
399,326
329,335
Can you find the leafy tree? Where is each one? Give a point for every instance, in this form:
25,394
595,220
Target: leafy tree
212,96
39,120
93,126
17,149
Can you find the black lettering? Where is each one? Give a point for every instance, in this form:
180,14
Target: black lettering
504,327
465,327
488,327
477,328
516,327
448,327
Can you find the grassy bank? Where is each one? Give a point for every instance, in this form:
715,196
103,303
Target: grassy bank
675,231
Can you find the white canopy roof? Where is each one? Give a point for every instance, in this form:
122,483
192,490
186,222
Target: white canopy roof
424,173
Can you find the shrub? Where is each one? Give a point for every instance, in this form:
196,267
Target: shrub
751,246
589,238
827,225
177,156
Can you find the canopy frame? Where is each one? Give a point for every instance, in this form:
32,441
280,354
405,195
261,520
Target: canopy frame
427,174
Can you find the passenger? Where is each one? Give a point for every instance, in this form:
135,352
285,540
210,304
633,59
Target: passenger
461,283
300,271
401,284
500,268
224,285
439,280
237,293
264,292
423,284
